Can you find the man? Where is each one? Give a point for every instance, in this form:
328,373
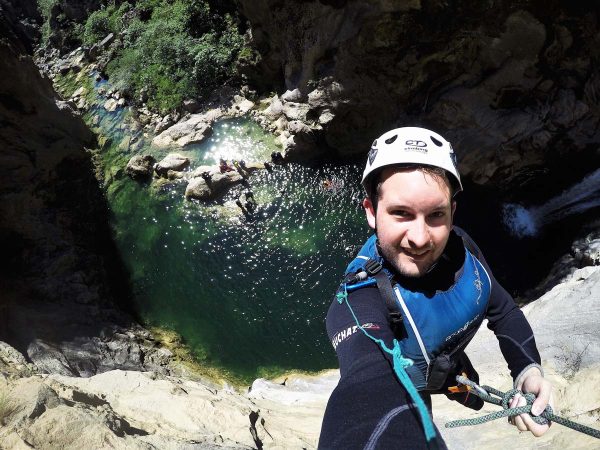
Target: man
436,291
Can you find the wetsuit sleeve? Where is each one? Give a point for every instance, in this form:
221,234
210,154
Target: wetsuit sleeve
508,323
351,345
369,408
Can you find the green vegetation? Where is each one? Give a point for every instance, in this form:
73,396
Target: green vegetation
103,22
45,8
71,82
193,363
166,50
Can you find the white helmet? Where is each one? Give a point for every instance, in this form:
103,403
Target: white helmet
411,145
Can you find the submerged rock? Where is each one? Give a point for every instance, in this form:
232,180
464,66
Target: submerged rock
140,167
111,104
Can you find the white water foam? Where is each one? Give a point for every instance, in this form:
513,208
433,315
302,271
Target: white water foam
524,222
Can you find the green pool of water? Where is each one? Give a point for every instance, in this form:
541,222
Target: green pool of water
249,295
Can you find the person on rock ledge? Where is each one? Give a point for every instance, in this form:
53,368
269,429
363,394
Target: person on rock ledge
224,167
410,303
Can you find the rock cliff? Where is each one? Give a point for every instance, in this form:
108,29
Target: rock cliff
513,86
60,275
142,410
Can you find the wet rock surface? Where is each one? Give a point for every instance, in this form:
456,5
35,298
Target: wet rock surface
140,166
201,189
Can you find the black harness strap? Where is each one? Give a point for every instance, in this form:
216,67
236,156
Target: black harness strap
373,268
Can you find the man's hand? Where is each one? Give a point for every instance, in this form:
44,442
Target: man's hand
532,382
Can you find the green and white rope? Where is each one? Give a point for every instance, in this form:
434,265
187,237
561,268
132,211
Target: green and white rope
491,395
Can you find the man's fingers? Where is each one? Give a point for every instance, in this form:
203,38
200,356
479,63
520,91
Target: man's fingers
516,401
543,398
520,423
536,429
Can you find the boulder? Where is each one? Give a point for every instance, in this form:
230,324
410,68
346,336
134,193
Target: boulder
111,105
292,96
49,359
191,131
241,107
173,161
326,117
107,40
191,106
140,166
275,109
79,92
586,251
199,189
295,111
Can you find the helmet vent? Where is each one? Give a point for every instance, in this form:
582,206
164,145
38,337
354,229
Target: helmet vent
436,141
391,140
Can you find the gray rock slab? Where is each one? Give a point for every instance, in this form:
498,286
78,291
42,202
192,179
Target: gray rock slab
140,166
173,161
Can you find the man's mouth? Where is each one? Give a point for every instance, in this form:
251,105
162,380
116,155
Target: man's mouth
416,254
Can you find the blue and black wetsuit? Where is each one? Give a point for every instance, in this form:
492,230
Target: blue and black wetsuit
370,408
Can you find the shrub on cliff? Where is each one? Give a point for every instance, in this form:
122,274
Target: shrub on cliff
172,49
103,22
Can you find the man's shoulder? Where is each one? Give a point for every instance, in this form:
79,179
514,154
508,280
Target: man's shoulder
366,300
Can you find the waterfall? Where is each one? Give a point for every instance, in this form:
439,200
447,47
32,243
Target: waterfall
524,222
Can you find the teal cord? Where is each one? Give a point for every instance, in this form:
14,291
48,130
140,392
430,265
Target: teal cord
400,363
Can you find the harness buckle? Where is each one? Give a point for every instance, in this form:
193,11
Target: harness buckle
372,267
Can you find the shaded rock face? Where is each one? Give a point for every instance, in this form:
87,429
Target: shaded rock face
60,274
511,88
20,19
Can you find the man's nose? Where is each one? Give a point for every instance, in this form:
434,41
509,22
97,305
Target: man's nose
418,234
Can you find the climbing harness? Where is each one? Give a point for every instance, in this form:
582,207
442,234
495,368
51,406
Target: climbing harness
400,364
491,395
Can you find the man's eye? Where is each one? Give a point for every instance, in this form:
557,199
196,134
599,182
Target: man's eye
438,214
400,213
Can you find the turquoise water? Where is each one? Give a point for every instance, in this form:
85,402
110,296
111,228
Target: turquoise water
248,295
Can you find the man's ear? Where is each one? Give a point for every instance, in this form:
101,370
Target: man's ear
369,211
453,210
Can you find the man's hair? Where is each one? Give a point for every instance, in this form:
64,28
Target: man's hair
439,174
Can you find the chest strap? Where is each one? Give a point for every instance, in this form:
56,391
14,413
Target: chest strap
374,269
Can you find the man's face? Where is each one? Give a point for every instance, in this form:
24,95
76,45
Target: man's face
413,219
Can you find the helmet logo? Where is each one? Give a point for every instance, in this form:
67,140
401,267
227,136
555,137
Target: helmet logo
372,154
415,143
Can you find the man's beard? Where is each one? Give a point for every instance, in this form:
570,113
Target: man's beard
391,255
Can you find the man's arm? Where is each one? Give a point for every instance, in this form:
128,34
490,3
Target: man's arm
517,344
369,408
355,350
